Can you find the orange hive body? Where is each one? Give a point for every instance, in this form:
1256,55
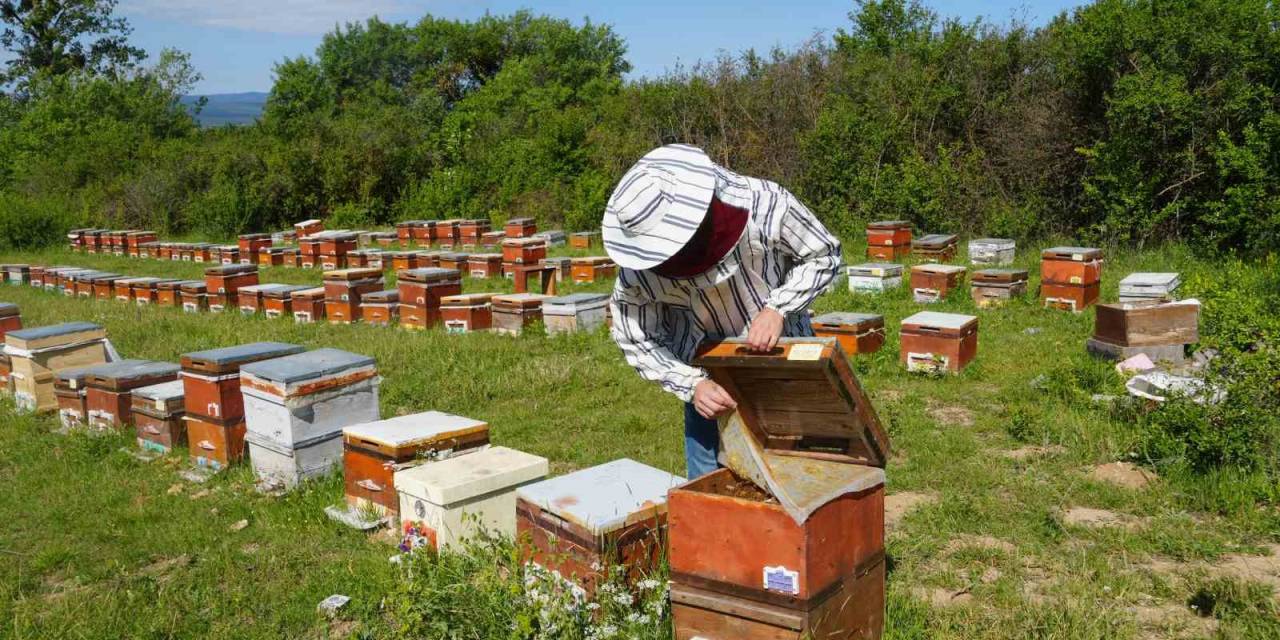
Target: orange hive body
222,284
470,232
1071,265
404,232
467,312
455,260
381,308
592,269
277,302
485,265
932,282
421,291
935,342
857,332
109,390
308,305
520,227
10,318
584,239
344,289
523,250
194,295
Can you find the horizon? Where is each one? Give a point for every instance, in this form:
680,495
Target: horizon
235,45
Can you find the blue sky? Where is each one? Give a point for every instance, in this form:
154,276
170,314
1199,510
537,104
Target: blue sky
235,43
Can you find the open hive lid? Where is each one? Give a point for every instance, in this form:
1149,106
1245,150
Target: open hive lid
229,359
1074,254
308,372
874,269
804,430
571,304
231,270
999,276
947,324
130,374
467,299
935,240
428,274
57,335
942,269
848,320
523,301
606,497
465,477
414,431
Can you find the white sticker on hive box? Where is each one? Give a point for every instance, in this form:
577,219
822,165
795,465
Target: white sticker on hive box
159,404
1078,257
782,580
807,351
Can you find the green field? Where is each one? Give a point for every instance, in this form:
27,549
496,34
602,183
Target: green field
989,482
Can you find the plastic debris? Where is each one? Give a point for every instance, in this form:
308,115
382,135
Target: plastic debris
1031,331
1159,386
1140,363
330,606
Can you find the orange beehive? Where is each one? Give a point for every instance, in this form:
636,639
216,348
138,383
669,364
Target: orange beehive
935,342
520,227
467,312
524,250
1071,265
308,305
222,283
592,269
857,332
485,265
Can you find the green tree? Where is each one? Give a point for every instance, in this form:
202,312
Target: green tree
61,36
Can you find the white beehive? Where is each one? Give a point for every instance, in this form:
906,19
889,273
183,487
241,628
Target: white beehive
874,277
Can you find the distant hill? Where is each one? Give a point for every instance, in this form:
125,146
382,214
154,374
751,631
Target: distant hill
229,108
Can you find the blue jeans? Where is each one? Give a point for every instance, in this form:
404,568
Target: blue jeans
701,443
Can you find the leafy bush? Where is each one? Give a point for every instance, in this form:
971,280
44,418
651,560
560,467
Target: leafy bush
32,222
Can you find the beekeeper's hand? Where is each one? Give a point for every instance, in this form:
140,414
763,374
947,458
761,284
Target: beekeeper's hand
711,400
765,329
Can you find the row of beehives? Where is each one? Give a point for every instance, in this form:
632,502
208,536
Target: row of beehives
892,240
423,298
294,415
522,246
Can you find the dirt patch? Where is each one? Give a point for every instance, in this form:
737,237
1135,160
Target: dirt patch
951,415
1028,453
889,395
991,543
991,575
161,569
1099,518
1172,621
942,597
898,505
1264,569
1123,474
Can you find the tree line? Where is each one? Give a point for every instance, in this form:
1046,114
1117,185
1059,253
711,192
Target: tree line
1121,121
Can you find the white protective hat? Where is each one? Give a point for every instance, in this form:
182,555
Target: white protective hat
658,205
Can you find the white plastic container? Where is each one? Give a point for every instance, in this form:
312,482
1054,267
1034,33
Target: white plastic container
992,251
874,277
444,503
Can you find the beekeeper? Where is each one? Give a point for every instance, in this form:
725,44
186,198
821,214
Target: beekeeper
705,254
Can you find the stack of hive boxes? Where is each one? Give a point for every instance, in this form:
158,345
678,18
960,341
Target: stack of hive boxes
470,232
934,342
856,332
252,243
811,476
375,453
109,393
344,290
584,523
214,404
1070,277
296,407
421,291
10,320
222,285
888,240
404,232
994,287
522,253
36,355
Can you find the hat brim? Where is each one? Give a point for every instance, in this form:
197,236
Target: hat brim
680,211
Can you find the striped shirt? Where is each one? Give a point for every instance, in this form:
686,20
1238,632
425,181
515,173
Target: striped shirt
785,259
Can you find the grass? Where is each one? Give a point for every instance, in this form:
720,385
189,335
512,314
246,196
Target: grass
96,545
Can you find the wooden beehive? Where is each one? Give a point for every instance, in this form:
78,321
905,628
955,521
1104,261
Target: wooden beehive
1069,297
512,313
1148,323
856,332
69,390
469,231
889,233
935,342
104,286
993,287
932,282
584,239
1160,287
223,282
563,268
485,265
10,318
211,378
381,308
296,408
492,238
374,452
467,312
157,416
455,260
521,250
36,354
520,227
575,312
277,302
1071,265
404,231
195,296
592,269
443,504
169,292
308,305
938,247
425,287
873,277
582,524
308,227
250,298
992,251
109,396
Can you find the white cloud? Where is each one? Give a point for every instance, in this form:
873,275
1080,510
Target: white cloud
292,17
